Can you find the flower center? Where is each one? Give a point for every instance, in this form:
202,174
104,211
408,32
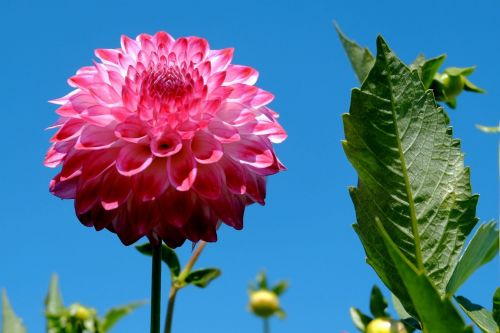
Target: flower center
165,83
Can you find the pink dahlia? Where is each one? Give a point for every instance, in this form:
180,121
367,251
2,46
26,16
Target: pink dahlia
164,138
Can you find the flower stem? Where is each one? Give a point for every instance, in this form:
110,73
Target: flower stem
170,309
267,329
178,283
156,289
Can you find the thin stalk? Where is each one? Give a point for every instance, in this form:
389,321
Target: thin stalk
170,309
194,257
267,329
156,289
178,283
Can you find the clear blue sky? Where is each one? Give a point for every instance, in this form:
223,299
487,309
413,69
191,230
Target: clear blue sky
304,232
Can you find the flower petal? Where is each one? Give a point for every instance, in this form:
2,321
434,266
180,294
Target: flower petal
116,191
132,129
153,181
252,151
241,74
133,158
234,175
182,168
225,133
95,137
208,181
206,148
168,144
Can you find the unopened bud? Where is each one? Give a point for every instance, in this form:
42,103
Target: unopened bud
385,325
264,303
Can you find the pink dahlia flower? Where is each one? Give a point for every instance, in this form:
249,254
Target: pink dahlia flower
164,138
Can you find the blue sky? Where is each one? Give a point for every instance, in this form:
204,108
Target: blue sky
304,232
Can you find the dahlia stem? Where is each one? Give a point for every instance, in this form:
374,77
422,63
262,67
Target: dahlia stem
178,283
267,329
156,289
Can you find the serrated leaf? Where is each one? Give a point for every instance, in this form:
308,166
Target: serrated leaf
410,175
479,315
168,256
482,248
378,304
280,288
359,319
11,323
360,57
424,296
202,277
53,301
496,306
113,315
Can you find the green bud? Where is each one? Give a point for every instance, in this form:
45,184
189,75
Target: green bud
453,85
80,312
385,325
264,303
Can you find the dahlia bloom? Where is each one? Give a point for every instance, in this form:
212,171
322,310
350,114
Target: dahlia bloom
164,138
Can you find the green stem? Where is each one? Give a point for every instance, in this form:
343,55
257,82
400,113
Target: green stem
267,329
170,309
156,289
178,283
194,257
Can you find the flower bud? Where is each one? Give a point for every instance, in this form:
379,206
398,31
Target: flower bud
80,312
453,85
385,325
264,303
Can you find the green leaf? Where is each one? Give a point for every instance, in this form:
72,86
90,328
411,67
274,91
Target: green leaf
202,277
496,306
479,315
280,288
281,314
360,57
262,281
53,301
430,68
378,304
488,129
168,256
469,86
482,248
410,323
452,103
410,175
456,71
437,314
359,319
11,323
113,315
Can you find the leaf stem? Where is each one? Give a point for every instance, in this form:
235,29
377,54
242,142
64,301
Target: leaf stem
178,283
194,257
156,289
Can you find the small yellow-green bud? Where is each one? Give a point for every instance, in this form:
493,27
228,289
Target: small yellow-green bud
264,303
385,325
80,312
453,85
